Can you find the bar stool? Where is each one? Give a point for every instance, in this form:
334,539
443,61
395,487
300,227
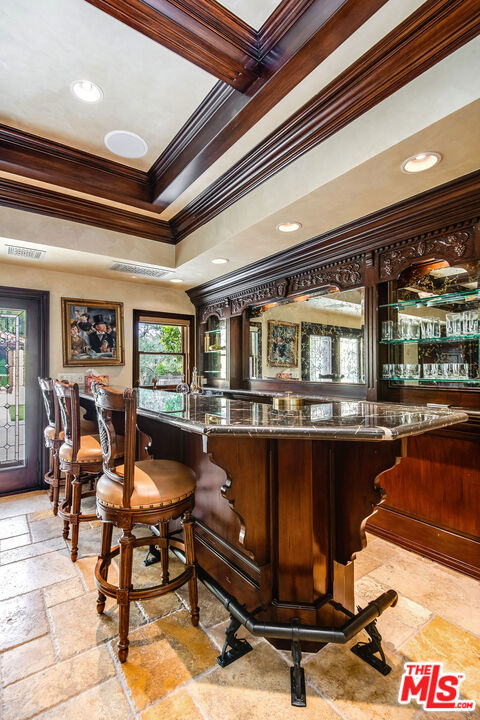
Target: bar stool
53,437
80,458
148,492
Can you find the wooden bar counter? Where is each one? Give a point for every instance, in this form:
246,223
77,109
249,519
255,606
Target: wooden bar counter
283,496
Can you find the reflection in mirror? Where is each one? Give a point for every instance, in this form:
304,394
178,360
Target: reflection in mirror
316,338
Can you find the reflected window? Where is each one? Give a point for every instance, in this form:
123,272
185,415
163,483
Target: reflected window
320,358
349,360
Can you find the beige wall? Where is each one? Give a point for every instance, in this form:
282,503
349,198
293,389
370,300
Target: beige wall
134,296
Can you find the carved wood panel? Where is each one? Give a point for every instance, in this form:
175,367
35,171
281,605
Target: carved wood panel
451,246
343,275
259,295
220,308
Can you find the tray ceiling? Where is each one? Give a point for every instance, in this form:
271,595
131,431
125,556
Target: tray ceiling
45,46
253,12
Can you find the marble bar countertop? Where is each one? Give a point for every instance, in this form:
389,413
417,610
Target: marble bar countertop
325,418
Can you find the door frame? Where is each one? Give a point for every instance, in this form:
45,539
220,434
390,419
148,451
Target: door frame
43,299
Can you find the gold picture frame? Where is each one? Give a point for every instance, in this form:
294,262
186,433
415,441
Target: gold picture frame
283,342
92,333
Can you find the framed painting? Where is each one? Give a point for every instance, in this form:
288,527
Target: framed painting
92,332
283,343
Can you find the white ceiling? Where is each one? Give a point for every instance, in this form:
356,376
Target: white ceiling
253,12
45,45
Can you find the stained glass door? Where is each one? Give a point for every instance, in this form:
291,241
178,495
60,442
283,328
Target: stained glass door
20,419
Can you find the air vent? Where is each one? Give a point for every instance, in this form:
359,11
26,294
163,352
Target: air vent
24,252
150,272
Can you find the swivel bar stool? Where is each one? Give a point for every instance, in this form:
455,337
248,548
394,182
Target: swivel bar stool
148,492
80,458
53,437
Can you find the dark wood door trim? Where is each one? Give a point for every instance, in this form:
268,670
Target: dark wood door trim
435,30
43,299
22,196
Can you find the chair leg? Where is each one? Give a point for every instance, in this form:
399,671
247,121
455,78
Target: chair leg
51,471
55,481
107,530
125,584
188,522
68,503
163,529
74,515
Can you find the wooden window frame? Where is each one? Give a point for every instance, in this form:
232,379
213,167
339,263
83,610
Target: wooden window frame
189,351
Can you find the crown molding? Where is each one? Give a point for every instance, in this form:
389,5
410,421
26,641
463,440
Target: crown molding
436,29
69,207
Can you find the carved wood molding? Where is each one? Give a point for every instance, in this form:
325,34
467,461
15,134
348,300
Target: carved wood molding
344,276
452,246
436,29
259,295
220,308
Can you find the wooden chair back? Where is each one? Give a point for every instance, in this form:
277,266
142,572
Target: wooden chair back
51,404
107,402
69,404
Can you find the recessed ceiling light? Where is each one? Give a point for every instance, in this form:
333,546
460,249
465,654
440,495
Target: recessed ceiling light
87,91
175,280
289,226
422,161
125,144
219,261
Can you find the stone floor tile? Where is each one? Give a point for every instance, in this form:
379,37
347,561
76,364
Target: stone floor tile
40,515
57,684
36,572
102,702
358,691
90,540
397,623
211,610
177,706
47,528
23,503
459,651
27,659
377,553
21,619
158,607
86,565
78,626
14,542
9,527
62,591
165,654
32,550
454,597
256,686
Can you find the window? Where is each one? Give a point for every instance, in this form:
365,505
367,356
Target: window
349,360
163,349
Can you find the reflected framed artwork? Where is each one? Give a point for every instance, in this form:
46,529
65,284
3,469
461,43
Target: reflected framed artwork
92,332
283,343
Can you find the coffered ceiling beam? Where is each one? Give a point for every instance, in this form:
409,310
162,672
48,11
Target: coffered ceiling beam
295,39
201,31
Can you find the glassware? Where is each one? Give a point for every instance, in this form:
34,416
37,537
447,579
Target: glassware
457,324
195,385
470,322
415,328
388,371
436,327
387,330
427,327
452,371
412,370
450,327
182,387
463,371
428,371
399,370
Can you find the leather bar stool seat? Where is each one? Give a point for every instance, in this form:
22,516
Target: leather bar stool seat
156,484
148,492
89,451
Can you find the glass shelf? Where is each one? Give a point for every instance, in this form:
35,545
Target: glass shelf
456,338
468,295
222,350
211,332
435,380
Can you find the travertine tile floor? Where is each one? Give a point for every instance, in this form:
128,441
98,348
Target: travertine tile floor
58,658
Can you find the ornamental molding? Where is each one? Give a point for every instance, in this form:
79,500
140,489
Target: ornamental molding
218,308
343,275
451,246
259,295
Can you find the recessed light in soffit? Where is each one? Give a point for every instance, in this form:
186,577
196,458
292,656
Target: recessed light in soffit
125,144
422,161
289,226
